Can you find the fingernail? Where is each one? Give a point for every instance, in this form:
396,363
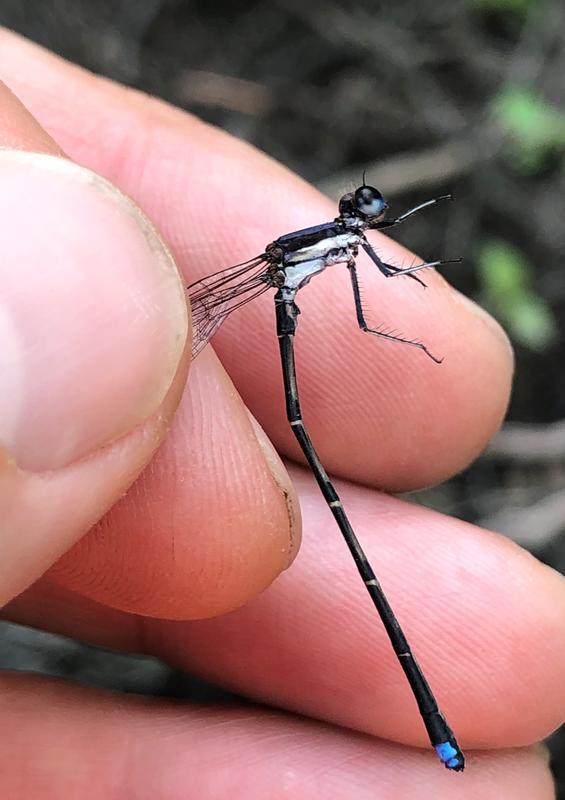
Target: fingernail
93,317
284,483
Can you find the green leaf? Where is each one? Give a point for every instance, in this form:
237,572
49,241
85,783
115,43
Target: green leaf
535,128
505,274
532,323
503,270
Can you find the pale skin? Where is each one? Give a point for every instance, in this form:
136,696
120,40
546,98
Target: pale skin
484,618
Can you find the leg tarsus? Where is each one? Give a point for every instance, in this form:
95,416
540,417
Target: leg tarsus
426,265
411,342
362,322
390,223
388,270
396,270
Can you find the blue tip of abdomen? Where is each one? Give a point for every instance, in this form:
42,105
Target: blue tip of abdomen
451,757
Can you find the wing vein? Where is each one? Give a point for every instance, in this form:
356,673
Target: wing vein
214,297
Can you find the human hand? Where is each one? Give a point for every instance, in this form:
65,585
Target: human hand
213,520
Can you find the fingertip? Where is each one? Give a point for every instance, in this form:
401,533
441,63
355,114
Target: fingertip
93,343
211,523
93,318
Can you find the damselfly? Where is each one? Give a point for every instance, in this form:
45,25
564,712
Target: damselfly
286,265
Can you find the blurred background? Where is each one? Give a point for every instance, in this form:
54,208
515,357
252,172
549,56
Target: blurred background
431,97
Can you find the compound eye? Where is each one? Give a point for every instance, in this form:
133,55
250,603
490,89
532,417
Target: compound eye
370,202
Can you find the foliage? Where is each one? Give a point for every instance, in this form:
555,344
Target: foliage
536,129
505,276
501,6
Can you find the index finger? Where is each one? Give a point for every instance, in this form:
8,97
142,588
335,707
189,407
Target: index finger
218,202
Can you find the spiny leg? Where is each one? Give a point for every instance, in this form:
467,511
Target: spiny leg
363,323
388,270
389,223
441,735
417,267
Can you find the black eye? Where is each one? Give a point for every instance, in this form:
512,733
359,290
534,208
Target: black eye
369,201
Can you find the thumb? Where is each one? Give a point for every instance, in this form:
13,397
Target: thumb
93,347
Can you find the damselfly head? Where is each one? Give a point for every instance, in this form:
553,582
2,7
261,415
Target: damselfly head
366,203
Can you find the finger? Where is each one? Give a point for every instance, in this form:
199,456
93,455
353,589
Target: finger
93,359
94,349
485,620
90,744
209,524
356,391
483,617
